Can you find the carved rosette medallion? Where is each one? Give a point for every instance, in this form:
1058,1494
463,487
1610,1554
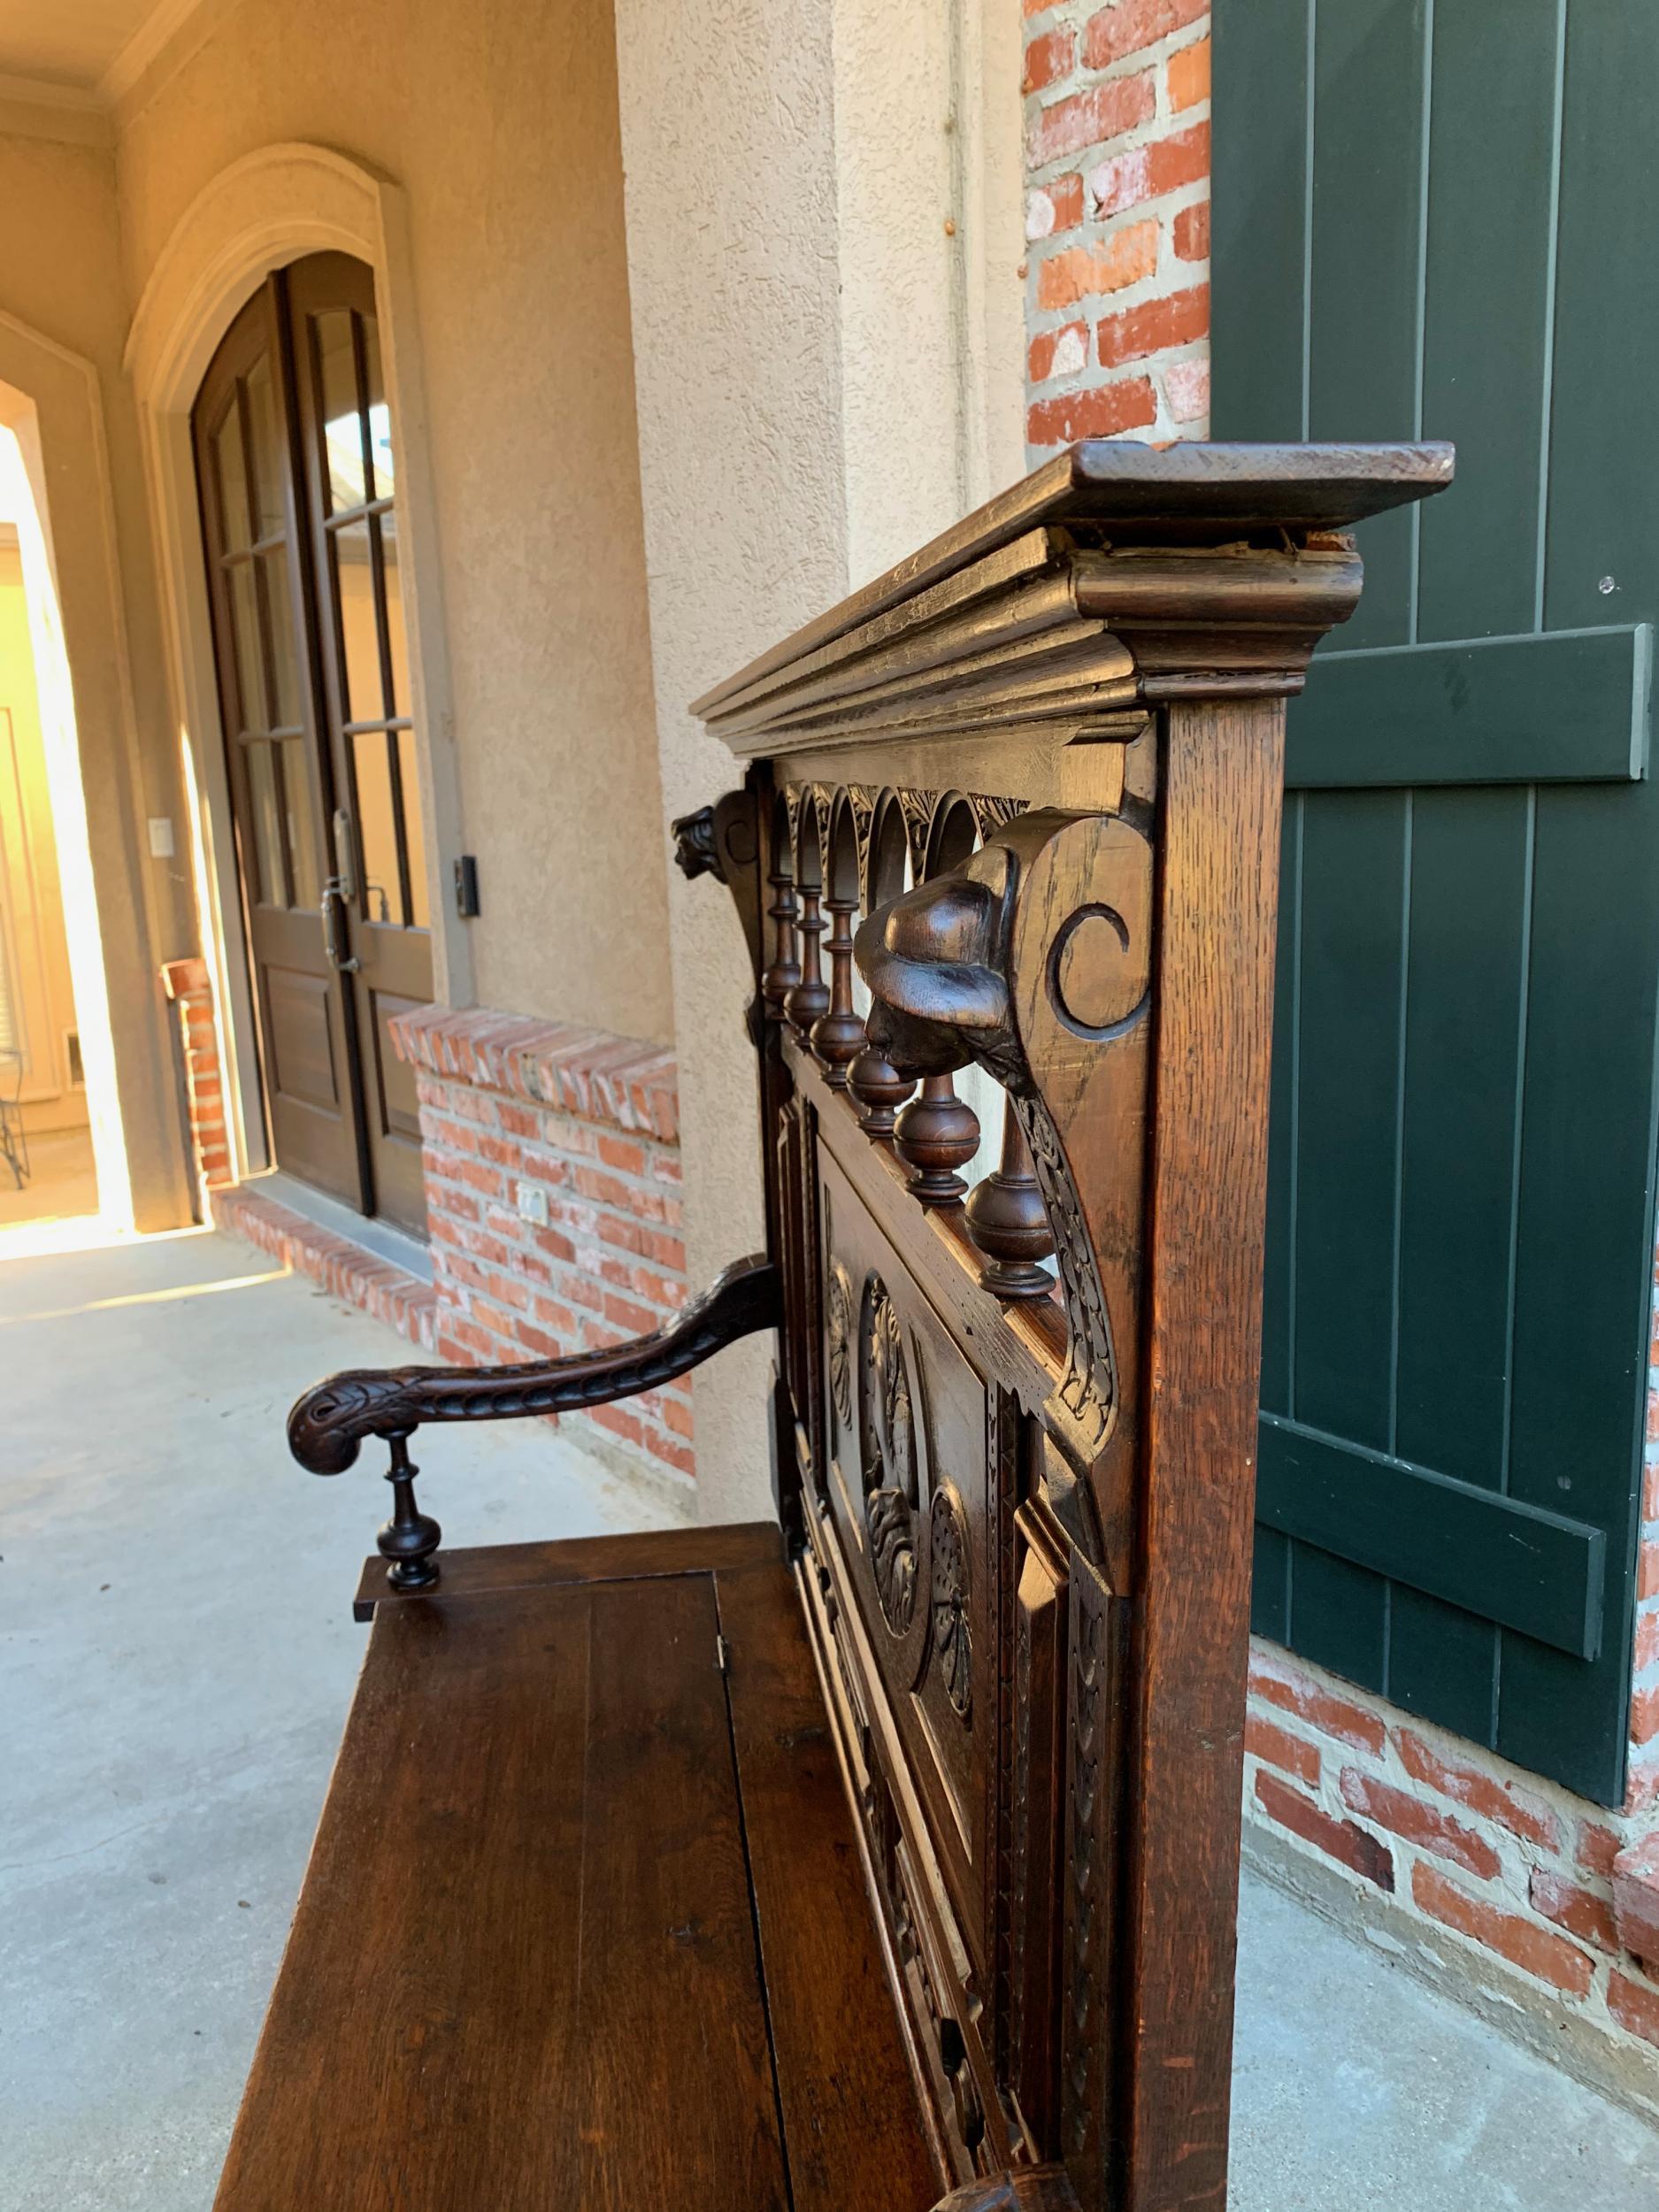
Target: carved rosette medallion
953,1642
886,1418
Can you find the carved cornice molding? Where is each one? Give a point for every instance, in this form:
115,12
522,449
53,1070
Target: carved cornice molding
1115,578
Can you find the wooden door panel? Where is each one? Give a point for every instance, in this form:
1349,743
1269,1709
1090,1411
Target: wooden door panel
314,688
302,1045
349,481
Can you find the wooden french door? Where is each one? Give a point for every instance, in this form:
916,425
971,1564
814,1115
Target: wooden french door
297,475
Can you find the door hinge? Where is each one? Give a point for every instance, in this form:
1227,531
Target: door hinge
722,1654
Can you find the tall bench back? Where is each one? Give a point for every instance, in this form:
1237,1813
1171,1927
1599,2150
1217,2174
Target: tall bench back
1011,812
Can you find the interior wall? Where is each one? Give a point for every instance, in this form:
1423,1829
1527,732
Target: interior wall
39,994
499,120
824,249
63,305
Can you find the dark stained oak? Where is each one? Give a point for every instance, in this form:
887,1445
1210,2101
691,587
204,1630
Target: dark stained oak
668,1551
553,1925
886,1857
671,1901
855,2137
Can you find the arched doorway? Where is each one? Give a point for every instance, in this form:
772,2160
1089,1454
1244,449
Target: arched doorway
297,480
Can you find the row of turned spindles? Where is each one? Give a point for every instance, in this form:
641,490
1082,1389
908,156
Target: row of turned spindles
934,1132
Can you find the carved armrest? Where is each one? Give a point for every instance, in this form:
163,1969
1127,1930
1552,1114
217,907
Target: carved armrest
328,1425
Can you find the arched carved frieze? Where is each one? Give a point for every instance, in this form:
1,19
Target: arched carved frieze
918,814
993,814
824,796
863,803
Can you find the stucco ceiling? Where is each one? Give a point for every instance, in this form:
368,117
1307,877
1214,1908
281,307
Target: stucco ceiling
71,43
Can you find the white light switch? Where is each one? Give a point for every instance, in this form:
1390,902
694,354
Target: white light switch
161,837
532,1203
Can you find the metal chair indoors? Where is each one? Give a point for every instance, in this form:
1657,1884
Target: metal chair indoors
15,1144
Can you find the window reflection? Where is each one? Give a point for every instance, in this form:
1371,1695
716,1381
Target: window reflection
359,635
382,898
342,429
414,830
267,826
265,433
379,413
306,886
396,635
285,706
230,467
244,616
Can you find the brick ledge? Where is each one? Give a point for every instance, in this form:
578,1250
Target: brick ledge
590,1073
390,1294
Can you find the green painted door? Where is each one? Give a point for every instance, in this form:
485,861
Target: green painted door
1438,220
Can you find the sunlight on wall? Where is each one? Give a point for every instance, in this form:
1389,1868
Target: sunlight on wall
21,503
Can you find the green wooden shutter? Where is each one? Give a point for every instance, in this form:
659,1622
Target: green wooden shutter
1439,220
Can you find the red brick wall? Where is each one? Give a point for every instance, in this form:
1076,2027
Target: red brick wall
1511,1866
185,983
552,1167
1116,220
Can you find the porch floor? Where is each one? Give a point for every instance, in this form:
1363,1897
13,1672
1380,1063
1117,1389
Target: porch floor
181,1654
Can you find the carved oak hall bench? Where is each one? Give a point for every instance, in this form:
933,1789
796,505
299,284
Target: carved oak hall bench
891,1850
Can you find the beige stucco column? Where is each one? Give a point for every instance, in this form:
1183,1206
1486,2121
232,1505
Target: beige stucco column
823,240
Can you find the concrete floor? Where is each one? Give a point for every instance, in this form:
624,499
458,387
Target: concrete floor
181,1654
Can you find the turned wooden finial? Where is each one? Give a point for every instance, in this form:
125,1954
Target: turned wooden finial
810,997
838,1036
880,1089
785,972
407,1542
934,1135
1009,1222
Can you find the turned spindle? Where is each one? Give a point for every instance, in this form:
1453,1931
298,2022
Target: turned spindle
785,972
1009,1222
934,1135
880,1089
838,1036
407,1542
810,997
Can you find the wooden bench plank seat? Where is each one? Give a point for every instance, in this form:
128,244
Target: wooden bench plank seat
884,1857
608,1873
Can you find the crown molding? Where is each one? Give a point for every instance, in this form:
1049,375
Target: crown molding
35,107
144,50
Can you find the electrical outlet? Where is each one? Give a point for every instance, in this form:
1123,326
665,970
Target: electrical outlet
160,837
533,1203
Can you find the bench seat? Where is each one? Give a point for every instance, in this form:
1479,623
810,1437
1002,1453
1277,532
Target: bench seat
585,1922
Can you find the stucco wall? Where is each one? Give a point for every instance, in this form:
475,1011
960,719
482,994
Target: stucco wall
499,120
823,250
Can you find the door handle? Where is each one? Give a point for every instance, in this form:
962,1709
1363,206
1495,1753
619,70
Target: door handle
335,889
345,857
